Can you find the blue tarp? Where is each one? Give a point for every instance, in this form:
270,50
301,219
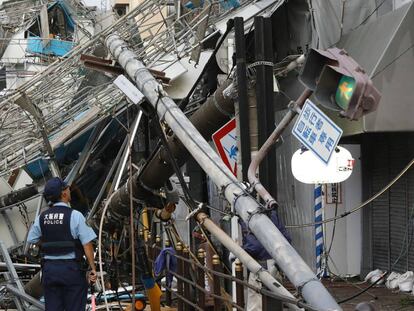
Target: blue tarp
225,4
165,262
54,46
69,151
38,168
229,4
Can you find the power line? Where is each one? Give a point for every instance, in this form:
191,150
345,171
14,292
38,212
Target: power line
393,61
366,19
389,185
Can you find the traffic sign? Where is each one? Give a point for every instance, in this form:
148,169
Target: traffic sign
316,131
225,140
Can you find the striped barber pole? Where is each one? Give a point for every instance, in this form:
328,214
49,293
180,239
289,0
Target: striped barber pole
318,230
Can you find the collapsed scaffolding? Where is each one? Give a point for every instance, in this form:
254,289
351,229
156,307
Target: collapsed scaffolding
61,85
32,32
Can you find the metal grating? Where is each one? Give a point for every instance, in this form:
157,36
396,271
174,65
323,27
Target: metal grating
392,227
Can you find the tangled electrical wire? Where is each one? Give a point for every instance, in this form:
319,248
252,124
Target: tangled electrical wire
406,241
364,204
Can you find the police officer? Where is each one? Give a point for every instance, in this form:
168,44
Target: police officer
64,238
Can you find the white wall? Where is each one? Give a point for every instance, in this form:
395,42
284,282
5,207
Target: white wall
346,249
16,50
400,3
19,67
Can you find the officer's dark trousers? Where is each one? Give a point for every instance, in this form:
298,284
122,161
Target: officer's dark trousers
64,284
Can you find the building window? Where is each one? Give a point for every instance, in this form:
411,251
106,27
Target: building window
121,9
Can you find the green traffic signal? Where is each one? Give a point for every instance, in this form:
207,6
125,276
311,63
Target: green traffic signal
339,83
344,92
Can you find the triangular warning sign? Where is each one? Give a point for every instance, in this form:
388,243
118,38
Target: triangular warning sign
225,140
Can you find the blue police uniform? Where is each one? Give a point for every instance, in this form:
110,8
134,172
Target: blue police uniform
62,232
252,245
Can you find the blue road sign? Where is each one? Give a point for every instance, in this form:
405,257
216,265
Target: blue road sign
316,131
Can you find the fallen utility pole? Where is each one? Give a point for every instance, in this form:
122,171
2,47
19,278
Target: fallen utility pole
213,114
235,192
252,265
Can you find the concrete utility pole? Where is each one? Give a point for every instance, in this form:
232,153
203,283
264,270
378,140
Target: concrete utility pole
252,265
235,192
213,114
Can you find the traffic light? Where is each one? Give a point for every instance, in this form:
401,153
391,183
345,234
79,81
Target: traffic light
339,83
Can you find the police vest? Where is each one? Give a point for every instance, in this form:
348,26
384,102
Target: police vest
57,238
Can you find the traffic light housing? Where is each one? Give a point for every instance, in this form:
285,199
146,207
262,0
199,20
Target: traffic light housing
339,83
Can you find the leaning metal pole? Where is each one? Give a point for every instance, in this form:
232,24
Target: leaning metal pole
272,139
235,192
252,265
211,115
15,291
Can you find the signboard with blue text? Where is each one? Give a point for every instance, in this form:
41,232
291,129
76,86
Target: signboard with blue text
316,131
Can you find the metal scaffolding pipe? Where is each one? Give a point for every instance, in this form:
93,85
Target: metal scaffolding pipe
270,141
249,262
207,119
19,266
235,192
213,114
21,294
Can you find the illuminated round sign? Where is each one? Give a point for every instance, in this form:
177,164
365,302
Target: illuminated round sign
307,168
